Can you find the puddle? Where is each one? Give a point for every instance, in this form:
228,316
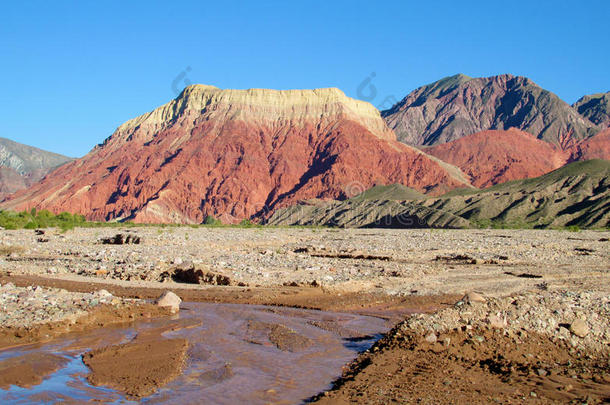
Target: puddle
237,354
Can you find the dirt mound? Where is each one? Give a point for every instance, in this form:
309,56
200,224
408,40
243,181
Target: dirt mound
98,317
280,336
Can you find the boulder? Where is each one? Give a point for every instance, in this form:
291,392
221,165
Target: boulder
579,328
169,299
473,297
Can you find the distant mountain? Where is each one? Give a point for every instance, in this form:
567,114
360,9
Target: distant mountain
458,106
22,165
577,194
494,156
596,108
236,154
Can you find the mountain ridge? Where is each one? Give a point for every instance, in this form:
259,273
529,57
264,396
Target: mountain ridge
458,105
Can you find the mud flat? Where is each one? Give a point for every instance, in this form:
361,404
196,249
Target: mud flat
137,368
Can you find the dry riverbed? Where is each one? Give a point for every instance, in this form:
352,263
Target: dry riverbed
541,314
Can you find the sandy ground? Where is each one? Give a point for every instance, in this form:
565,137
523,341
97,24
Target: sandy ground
555,277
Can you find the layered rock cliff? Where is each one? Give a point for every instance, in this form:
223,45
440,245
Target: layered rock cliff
236,154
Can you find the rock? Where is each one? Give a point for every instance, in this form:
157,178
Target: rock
458,106
120,239
169,299
495,321
473,297
431,337
195,275
178,261
579,328
103,294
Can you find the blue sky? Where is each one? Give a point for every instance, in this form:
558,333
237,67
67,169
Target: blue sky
73,71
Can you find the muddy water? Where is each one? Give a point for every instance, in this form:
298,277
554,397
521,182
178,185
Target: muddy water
237,354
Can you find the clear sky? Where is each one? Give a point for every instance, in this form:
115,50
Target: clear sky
71,72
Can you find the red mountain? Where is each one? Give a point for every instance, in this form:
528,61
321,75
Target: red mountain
596,147
236,154
492,157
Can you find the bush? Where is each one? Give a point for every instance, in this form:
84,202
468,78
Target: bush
246,223
210,220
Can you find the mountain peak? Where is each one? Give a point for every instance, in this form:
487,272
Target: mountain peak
596,108
458,106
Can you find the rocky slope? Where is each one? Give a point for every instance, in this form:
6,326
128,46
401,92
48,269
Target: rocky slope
596,147
235,154
494,156
378,207
22,165
596,108
355,213
458,106
577,194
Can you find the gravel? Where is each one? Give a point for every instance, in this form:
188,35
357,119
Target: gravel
421,261
580,318
28,306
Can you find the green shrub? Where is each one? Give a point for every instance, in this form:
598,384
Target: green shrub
210,220
246,223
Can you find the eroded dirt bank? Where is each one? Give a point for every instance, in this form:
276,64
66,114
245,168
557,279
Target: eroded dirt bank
99,317
534,347
480,366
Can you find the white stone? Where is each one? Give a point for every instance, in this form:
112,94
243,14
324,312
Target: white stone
169,299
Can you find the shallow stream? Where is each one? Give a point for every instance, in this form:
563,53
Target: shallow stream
231,357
